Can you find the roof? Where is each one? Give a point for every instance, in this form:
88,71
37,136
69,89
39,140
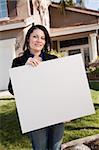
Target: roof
15,23
78,9
79,26
10,21
84,10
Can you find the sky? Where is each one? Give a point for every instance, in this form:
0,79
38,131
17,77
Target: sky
91,4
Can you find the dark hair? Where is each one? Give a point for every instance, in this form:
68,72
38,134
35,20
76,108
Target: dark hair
47,46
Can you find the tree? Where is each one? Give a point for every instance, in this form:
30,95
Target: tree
70,3
66,3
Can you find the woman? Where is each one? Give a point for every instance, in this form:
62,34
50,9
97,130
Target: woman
36,45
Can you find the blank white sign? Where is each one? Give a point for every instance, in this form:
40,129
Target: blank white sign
55,91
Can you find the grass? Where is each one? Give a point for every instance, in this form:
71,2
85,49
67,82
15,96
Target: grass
85,126
10,133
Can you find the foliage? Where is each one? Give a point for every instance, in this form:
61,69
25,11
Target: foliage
69,3
58,54
94,67
10,133
64,4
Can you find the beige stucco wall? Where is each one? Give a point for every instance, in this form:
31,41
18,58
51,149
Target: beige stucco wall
18,35
23,9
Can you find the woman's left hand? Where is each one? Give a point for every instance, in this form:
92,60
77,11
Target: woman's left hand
35,61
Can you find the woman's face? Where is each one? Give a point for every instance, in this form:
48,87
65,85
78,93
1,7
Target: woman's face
36,41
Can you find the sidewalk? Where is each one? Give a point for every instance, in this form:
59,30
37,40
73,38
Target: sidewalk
5,95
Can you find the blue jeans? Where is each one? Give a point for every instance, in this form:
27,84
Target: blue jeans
49,138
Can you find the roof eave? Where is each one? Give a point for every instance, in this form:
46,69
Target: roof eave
26,22
78,9
73,30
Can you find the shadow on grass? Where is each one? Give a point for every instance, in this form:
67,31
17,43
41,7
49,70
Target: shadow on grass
10,132
94,85
85,123
96,106
84,127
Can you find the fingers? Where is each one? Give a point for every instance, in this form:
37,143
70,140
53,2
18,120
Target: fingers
67,121
33,61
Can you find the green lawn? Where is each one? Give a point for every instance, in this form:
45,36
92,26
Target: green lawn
12,139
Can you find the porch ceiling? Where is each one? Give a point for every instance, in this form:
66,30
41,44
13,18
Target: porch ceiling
74,29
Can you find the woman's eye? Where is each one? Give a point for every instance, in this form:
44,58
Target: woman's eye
43,38
34,36
37,37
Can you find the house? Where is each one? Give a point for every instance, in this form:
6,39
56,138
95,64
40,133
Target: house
73,32
16,17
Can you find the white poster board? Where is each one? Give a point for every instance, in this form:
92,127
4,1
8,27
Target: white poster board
55,91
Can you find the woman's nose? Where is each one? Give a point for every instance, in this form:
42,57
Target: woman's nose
39,39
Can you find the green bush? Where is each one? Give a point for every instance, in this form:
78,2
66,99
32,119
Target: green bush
58,54
93,70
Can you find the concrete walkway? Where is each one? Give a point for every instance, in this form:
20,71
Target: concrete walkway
5,95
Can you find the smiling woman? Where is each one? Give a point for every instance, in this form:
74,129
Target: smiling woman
36,46
36,41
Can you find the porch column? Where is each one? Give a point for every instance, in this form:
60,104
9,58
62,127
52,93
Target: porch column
93,47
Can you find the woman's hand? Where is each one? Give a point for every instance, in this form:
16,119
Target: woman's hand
35,61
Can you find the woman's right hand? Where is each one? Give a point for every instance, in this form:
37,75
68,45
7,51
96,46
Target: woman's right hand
35,61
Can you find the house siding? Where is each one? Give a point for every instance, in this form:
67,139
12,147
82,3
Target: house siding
18,35
23,9
70,18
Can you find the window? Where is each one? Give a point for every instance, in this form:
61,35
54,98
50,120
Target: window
3,9
73,42
73,52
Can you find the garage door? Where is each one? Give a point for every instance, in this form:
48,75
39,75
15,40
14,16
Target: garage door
7,53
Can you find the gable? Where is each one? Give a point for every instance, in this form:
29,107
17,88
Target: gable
70,18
